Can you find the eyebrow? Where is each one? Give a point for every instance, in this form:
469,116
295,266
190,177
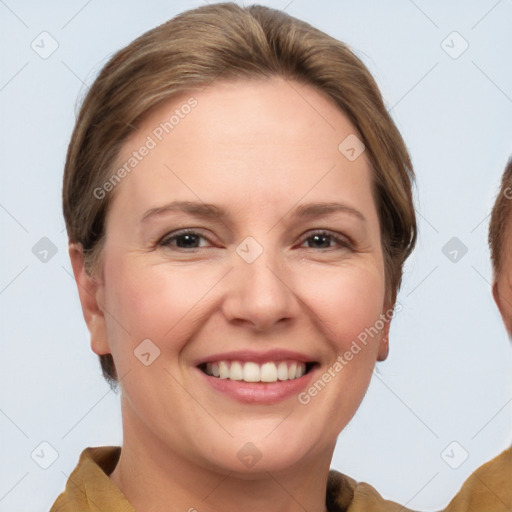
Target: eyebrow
204,210
212,211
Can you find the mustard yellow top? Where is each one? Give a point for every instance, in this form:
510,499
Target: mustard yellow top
488,489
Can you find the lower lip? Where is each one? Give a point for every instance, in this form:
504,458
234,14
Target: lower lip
259,392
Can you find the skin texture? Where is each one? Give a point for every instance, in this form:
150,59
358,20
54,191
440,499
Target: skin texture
502,286
259,149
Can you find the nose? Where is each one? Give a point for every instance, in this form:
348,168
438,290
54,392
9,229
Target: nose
260,294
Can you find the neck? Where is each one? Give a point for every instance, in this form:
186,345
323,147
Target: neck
154,478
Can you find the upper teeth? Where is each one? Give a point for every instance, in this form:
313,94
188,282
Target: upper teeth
254,372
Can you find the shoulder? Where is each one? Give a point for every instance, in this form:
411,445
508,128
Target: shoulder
89,484
344,494
488,489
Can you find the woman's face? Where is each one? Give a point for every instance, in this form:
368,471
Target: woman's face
284,266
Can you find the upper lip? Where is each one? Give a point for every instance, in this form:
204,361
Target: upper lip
257,357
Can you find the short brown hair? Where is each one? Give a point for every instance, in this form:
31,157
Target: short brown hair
500,218
227,42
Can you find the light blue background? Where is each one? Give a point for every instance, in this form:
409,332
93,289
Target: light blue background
449,373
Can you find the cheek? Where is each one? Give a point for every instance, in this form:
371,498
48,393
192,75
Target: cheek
152,302
346,301
347,305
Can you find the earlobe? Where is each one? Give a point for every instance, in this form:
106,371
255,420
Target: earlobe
90,291
383,349
384,341
504,306
496,296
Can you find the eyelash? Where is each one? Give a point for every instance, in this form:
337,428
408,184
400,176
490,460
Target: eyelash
342,242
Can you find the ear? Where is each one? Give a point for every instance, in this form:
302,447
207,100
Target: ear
496,296
504,306
91,293
384,344
384,340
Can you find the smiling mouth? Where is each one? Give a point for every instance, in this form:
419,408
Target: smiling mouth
253,372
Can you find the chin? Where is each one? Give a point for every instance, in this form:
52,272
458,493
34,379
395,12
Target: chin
249,460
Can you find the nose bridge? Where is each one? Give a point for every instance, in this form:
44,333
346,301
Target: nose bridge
260,291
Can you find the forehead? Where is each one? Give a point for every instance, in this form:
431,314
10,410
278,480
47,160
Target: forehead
250,114
253,138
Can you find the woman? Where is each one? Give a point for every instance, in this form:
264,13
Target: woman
238,205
